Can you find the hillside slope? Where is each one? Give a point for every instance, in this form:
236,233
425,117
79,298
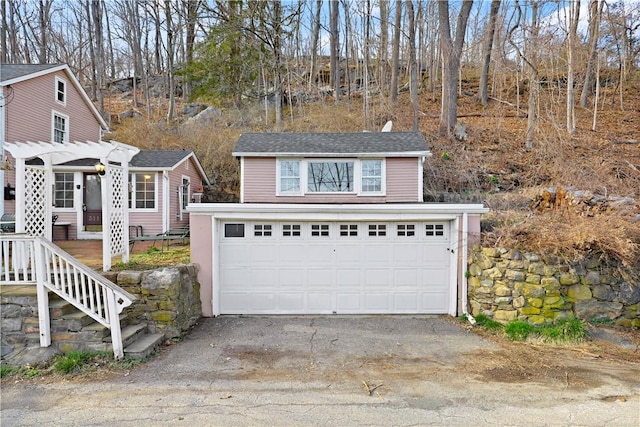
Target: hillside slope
596,212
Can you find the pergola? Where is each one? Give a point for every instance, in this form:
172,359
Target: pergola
34,184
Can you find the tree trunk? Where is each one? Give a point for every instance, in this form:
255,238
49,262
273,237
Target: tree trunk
192,19
170,49
92,52
534,84
314,44
451,50
395,53
413,85
3,33
487,47
383,47
99,52
594,26
277,42
334,54
574,17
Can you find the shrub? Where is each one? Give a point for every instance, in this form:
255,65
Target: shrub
488,323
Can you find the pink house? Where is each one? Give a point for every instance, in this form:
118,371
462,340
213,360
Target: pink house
45,115
332,223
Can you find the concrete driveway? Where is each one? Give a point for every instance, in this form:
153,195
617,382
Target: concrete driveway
298,371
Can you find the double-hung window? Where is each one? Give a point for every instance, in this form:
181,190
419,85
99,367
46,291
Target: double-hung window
61,91
289,176
60,127
143,194
371,176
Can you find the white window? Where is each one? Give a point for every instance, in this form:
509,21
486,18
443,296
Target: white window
143,191
290,230
289,172
59,127
371,176
312,176
348,230
406,230
434,230
377,230
319,230
61,91
262,230
185,191
63,190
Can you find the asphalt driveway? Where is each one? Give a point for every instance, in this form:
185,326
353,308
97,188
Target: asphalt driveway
359,370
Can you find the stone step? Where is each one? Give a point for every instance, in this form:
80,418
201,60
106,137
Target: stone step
131,332
144,346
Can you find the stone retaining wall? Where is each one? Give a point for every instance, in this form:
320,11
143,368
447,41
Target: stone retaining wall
168,302
168,299
509,284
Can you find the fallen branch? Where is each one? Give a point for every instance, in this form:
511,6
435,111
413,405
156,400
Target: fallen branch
626,141
371,388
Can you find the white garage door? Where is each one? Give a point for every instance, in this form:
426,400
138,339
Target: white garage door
334,267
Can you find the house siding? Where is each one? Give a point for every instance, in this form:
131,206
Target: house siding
259,184
186,168
29,116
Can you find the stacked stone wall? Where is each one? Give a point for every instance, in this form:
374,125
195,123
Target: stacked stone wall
508,284
168,299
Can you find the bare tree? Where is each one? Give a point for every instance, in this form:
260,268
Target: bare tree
170,52
96,12
574,17
487,47
383,47
595,13
315,34
395,53
413,65
334,42
451,51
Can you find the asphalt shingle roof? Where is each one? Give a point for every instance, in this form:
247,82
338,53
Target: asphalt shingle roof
331,143
151,159
13,71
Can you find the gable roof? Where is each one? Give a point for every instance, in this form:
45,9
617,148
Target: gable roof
337,144
165,160
16,73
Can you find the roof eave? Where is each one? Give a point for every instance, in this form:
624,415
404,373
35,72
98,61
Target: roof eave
323,155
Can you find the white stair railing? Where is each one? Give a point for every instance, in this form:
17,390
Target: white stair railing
27,260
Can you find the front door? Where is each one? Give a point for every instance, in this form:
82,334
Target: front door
92,203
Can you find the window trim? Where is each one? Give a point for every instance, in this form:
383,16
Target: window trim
132,193
55,114
64,91
303,164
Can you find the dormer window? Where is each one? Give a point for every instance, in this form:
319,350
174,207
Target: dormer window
317,176
61,91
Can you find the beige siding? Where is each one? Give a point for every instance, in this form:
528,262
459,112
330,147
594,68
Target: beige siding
30,112
259,184
402,179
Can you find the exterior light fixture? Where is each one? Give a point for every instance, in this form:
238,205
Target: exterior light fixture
99,168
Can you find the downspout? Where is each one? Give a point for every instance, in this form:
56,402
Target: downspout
465,267
166,202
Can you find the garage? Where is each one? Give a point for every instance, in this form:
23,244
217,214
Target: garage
332,259
316,267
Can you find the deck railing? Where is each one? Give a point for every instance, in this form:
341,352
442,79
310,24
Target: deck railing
27,260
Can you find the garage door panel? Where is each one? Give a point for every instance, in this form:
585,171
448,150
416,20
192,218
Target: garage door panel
405,302
348,253
377,277
293,278
378,253
259,254
434,255
320,278
349,302
435,277
377,302
291,302
433,302
348,277
405,277
406,254
321,254
291,254
320,302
